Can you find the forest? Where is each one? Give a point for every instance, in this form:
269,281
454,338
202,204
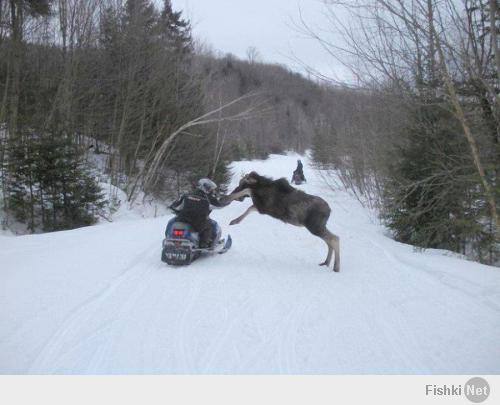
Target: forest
416,138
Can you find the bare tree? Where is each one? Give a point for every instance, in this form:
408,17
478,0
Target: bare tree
398,40
150,170
253,54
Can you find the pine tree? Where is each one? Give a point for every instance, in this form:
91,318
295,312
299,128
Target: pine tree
431,196
50,188
325,148
175,30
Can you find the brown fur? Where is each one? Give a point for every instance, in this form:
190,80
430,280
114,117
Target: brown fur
280,200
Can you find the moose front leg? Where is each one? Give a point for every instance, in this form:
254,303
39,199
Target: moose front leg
242,217
239,195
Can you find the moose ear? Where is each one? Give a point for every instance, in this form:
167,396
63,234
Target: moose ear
251,178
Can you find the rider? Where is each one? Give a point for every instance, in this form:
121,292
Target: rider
299,171
194,208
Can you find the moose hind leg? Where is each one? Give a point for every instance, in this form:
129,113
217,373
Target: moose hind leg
332,241
335,240
316,224
328,257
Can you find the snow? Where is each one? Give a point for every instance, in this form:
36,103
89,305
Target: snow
119,207
98,300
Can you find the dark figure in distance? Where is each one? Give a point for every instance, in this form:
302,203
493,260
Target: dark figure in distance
298,174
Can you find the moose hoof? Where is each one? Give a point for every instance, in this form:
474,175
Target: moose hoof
234,222
336,269
323,264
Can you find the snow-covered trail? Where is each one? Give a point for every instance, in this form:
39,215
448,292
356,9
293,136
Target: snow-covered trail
98,300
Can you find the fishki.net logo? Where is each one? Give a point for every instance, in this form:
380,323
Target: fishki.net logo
475,390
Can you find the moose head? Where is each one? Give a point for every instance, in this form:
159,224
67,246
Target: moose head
247,181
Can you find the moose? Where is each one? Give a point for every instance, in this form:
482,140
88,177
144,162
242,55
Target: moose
280,200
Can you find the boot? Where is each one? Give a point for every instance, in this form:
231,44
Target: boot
206,238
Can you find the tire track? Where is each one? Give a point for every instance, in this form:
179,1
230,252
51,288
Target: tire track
224,335
83,313
181,342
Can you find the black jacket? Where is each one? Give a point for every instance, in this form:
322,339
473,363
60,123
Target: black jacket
195,208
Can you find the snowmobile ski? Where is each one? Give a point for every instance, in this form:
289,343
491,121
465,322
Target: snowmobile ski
221,247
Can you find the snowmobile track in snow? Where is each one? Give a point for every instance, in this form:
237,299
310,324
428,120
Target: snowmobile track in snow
98,300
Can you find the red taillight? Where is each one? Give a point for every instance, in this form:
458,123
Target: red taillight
178,232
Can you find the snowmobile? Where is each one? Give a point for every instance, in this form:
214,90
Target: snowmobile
297,178
181,244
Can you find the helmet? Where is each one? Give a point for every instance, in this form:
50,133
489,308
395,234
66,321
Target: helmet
207,186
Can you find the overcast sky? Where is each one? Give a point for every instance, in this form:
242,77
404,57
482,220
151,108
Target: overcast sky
232,26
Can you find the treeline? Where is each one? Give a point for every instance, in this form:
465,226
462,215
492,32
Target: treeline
290,104
122,82
423,146
125,84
